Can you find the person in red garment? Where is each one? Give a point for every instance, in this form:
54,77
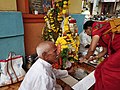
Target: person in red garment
107,74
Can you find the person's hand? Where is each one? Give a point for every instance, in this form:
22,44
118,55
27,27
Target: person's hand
82,59
91,58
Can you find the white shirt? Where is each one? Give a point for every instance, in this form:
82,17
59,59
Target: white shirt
84,40
41,76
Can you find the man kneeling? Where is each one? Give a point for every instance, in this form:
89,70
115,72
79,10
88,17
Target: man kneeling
41,76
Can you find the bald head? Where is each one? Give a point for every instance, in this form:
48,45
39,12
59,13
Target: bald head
44,47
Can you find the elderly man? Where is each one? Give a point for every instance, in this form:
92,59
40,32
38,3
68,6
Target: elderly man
41,76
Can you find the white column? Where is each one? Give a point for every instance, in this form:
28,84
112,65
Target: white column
95,7
82,4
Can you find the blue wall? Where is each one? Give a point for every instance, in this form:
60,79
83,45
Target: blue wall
80,21
11,34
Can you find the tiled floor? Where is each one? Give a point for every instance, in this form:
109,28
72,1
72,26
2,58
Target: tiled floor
11,87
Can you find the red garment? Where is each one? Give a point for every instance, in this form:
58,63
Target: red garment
107,74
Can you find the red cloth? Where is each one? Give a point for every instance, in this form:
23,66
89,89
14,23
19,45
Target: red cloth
107,74
98,29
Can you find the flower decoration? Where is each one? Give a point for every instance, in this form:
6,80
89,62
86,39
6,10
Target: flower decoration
69,41
62,30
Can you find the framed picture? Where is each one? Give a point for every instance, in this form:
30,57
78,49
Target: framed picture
39,6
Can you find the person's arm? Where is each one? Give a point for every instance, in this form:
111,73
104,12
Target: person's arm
60,73
101,54
91,49
44,82
34,81
93,45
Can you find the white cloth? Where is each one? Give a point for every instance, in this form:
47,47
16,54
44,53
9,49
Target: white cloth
84,40
42,76
86,82
87,15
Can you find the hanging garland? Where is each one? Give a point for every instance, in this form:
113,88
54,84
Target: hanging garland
69,41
